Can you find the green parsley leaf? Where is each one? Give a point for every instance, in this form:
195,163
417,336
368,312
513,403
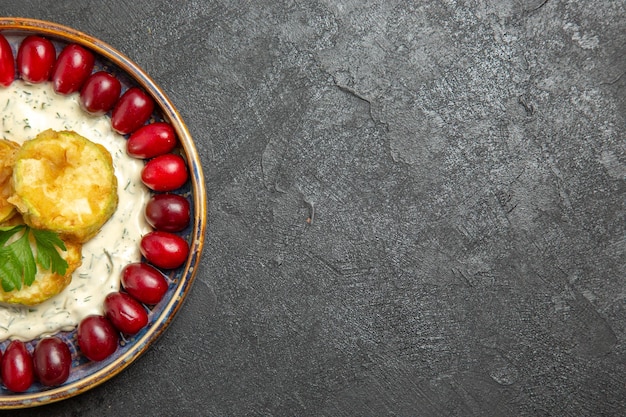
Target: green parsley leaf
10,269
23,252
7,232
47,255
17,261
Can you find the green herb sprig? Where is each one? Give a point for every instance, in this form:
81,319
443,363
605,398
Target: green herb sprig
18,263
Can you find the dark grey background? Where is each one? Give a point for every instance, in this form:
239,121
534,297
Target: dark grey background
461,164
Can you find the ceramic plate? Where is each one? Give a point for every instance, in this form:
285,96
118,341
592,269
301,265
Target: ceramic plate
86,374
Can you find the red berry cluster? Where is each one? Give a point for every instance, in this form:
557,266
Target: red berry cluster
49,363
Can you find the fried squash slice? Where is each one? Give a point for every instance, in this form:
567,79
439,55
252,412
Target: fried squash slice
65,183
8,150
47,284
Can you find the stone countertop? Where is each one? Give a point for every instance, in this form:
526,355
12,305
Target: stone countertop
416,208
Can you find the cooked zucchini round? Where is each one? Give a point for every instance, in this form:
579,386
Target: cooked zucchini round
8,149
65,183
46,284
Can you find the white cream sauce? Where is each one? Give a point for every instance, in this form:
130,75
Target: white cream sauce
25,111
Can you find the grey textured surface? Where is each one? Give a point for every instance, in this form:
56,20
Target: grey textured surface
416,208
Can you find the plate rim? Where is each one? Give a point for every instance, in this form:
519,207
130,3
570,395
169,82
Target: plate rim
198,189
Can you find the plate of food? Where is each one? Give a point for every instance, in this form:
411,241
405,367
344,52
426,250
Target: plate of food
102,212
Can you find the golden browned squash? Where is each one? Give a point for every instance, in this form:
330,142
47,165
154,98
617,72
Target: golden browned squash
8,149
46,284
65,183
